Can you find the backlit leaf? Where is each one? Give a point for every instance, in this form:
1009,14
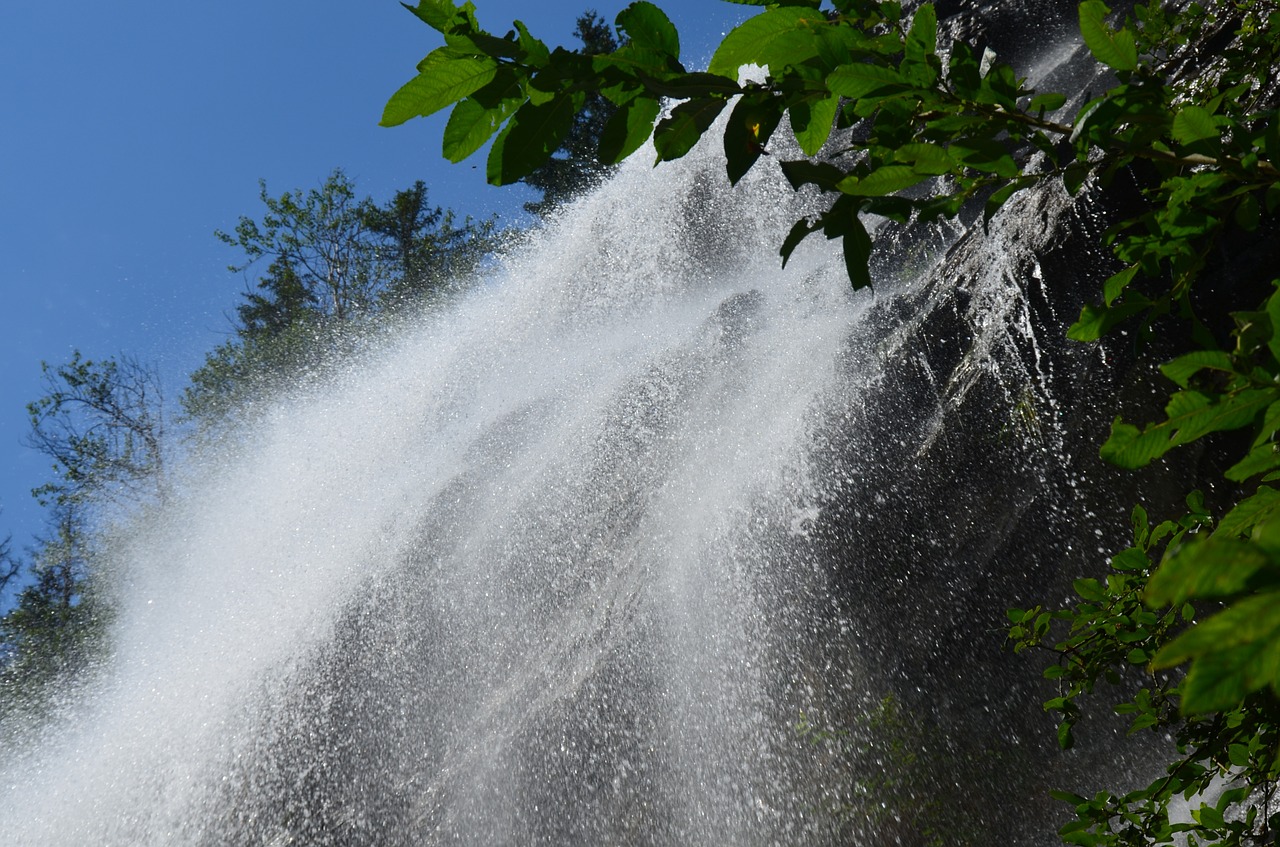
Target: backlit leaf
778,37
679,131
648,27
1114,49
628,128
1192,124
534,133
444,78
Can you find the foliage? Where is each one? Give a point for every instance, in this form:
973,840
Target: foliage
102,423
54,626
923,130
574,167
335,261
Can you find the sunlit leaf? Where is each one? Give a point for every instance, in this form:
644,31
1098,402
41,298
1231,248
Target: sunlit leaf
679,131
444,78
776,38
1115,49
648,27
628,128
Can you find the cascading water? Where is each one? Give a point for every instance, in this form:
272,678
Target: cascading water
552,566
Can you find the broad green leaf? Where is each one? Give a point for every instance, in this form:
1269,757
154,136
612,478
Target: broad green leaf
1232,654
922,38
751,123
1049,102
635,61
811,122
471,125
1260,459
536,52
445,78
1206,568
860,79
1192,124
437,14
1097,321
925,158
1190,415
1181,369
628,128
883,180
1114,49
1117,283
1273,310
533,134
679,131
776,38
648,27
985,154
1260,508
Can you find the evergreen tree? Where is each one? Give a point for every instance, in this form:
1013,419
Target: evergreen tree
575,167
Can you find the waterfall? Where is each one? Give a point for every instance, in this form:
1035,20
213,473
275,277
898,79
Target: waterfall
554,564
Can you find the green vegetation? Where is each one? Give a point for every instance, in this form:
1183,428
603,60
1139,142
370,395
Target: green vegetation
336,265
1190,114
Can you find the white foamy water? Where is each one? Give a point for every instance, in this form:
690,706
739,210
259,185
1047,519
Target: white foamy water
506,579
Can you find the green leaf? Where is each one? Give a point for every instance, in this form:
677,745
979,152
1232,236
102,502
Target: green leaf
686,86
445,78
437,14
1260,508
883,180
751,124
1209,567
536,52
1260,459
1097,321
1232,654
922,39
985,154
1117,283
777,38
861,79
628,128
533,134
1192,124
679,131
811,122
925,158
1181,369
1114,49
470,126
1048,102
1190,415
649,28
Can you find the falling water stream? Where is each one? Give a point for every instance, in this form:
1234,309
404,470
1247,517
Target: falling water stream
541,568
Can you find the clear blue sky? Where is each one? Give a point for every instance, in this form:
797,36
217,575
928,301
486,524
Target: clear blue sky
133,130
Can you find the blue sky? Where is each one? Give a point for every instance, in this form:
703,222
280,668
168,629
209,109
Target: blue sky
133,130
